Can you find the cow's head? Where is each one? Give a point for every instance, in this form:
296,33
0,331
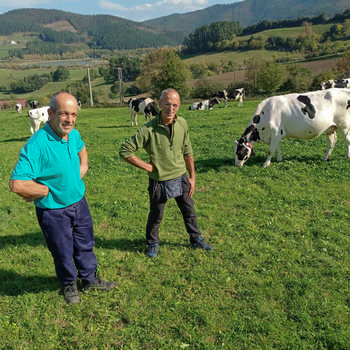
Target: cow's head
243,148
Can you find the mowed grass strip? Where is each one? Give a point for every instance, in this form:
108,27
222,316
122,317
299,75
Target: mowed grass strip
277,278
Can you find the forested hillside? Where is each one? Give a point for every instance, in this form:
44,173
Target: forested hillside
248,12
97,31
332,35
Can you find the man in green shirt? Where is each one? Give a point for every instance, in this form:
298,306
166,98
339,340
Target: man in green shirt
167,142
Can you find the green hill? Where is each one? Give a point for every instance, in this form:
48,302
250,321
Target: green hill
250,11
95,31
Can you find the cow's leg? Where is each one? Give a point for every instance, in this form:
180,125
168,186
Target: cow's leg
37,125
32,126
346,134
332,140
278,152
131,118
275,146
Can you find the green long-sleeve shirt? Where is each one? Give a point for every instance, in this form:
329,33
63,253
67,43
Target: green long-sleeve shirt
166,153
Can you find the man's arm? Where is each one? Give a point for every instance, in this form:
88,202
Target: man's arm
83,156
29,190
139,163
192,175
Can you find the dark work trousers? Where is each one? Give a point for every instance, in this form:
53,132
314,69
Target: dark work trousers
70,239
157,204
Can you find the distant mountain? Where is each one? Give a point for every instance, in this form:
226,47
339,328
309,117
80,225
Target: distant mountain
54,30
250,12
99,31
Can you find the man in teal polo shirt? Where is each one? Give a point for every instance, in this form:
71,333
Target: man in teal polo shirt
49,172
167,142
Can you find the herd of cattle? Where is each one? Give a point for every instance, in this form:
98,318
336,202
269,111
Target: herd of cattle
300,116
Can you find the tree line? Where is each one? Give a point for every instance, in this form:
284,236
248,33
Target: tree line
228,36
36,81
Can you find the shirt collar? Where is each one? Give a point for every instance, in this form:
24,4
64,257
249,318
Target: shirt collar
159,121
51,135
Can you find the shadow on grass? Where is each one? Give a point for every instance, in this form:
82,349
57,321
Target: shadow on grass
133,245
306,159
31,239
14,284
114,126
205,165
123,244
19,139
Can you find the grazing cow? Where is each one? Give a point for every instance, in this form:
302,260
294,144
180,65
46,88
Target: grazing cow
338,83
300,116
221,95
343,83
33,104
18,107
38,116
206,104
237,95
142,105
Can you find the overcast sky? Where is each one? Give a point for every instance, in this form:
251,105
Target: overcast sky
136,10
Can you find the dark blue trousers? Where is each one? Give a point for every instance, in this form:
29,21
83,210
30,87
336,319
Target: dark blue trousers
70,239
157,205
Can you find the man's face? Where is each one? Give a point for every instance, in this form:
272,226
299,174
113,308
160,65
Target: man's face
62,121
169,105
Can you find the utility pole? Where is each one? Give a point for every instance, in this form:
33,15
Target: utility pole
120,78
90,91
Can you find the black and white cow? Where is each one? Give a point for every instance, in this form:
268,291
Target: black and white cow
33,104
142,105
203,105
37,117
338,83
18,108
300,116
237,95
221,95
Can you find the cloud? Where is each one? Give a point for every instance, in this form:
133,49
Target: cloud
157,9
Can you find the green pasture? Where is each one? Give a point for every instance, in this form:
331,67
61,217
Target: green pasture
241,57
278,277
8,75
291,32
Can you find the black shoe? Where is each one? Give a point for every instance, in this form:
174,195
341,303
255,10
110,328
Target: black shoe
152,250
70,293
99,284
200,244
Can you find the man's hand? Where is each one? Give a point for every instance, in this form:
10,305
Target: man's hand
193,184
192,175
139,163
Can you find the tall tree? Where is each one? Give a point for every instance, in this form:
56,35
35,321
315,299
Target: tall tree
269,77
173,74
150,68
343,66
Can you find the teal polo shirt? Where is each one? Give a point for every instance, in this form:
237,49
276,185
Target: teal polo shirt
48,159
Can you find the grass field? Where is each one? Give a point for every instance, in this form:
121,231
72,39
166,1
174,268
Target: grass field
278,277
